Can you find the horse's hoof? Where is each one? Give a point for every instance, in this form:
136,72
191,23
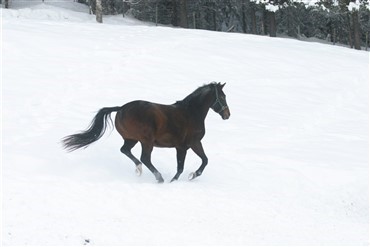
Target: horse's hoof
139,170
160,181
192,176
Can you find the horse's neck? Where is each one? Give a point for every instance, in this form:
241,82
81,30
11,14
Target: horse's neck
199,108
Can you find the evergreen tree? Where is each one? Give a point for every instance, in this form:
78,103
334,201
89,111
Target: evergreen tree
333,20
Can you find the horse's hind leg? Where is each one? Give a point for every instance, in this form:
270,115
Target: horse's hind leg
126,149
146,159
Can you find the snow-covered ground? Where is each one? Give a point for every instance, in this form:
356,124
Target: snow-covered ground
290,167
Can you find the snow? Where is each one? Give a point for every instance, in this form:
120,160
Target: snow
290,166
353,6
272,8
307,3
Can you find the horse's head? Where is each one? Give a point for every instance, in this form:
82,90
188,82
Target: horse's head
220,105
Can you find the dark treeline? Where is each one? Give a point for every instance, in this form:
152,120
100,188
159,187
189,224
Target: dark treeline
327,19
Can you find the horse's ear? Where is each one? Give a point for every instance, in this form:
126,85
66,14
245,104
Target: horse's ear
222,85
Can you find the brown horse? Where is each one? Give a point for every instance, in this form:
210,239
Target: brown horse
180,125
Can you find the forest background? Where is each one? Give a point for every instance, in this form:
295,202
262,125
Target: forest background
345,22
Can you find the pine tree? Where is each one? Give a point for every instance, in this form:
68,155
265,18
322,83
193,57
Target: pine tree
326,19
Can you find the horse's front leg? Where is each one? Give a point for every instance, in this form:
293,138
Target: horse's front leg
181,154
198,149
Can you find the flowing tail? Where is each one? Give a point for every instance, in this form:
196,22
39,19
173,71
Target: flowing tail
95,131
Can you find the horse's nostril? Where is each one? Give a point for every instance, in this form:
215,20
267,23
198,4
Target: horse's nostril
226,114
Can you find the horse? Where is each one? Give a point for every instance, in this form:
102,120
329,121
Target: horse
180,126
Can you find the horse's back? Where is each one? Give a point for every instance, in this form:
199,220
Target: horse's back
136,114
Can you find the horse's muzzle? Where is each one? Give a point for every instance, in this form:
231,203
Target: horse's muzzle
225,114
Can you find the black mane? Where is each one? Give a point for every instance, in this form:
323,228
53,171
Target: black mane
199,93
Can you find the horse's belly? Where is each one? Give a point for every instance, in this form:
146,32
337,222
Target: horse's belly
166,141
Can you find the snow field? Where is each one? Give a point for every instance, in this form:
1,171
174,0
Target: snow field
290,167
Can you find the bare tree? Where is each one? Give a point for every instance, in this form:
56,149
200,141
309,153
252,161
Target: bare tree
99,11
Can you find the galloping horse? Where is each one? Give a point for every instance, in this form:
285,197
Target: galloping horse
180,125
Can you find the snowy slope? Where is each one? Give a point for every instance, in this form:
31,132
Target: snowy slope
290,167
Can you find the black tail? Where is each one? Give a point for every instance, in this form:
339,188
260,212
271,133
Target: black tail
95,131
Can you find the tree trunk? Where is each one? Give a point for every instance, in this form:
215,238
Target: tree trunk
244,16
214,20
90,8
6,4
350,42
334,36
254,19
292,31
183,14
194,21
263,29
272,24
356,30
125,7
299,31
175,19
156,14
98,11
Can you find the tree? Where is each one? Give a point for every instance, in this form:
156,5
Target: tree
272,26
183,17
292,17
353,8
271,8
338,21
253,18
356,30
99,11
364,18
